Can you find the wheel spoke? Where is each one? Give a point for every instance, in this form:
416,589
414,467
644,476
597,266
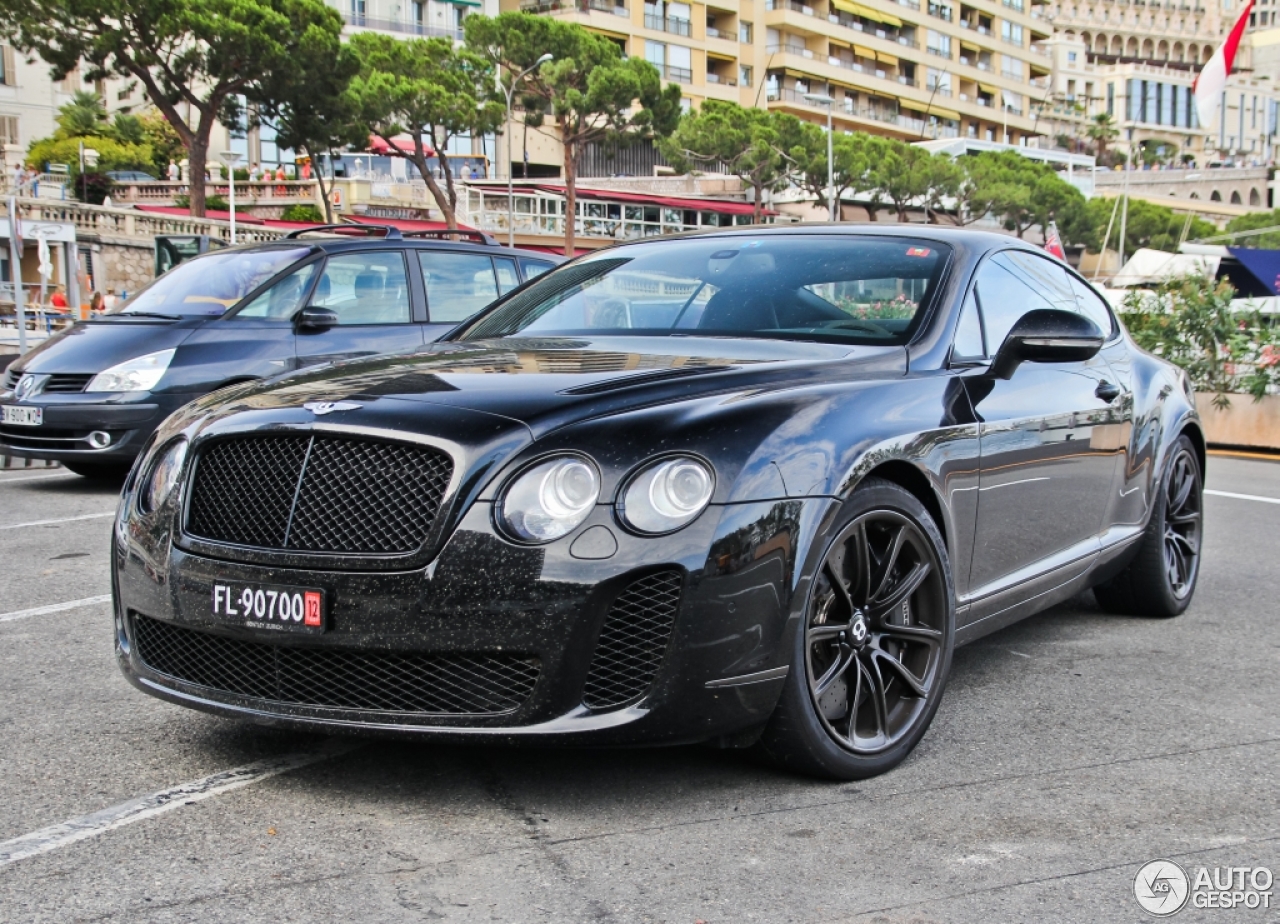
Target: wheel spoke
931,637
825,632
903,591
1185,519
911,680
838,581
875,684
832,673
890,560
859,549
1184,483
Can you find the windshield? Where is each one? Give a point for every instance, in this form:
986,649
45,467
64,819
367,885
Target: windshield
209,285
837,288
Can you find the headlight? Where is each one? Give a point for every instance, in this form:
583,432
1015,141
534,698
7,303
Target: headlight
142,373
551,499
162,476
667,495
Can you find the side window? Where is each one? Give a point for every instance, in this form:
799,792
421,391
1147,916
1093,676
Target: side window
968,342
458,284
1005,295
365,288
507,278
1092,306
283,299
534,268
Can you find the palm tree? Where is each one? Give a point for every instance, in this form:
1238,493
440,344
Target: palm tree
1102,131
84,115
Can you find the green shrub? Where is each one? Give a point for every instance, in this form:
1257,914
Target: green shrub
214,203
303,212
1191,323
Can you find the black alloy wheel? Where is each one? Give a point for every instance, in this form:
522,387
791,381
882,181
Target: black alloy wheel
876,645
1182,515
1161,577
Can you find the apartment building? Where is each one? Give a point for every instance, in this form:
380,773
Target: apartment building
29,99
1136,60
911,69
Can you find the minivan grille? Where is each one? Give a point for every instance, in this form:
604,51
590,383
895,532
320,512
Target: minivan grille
633,641
66,384
486,683
318,493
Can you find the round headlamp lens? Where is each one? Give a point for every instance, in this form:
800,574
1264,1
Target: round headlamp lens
551,499
165,472
668,495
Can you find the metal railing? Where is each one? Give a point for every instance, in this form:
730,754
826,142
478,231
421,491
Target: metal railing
361,21
668,24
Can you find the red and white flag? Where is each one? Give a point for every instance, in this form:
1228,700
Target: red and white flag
1053,243
1212,81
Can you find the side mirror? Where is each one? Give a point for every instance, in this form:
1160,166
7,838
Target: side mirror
1047,335
313,317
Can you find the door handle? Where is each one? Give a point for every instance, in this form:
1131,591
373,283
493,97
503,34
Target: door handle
1106,391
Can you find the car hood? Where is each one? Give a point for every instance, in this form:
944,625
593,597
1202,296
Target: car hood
90,347
546,383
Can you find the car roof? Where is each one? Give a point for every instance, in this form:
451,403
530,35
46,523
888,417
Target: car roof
344,244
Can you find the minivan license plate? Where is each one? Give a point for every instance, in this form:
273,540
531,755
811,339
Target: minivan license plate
270,606
23,416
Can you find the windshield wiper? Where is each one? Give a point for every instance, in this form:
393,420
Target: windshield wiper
145,314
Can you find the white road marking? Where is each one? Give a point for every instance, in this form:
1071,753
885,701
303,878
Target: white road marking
54,608
35,477
85,516
1249,497
157,803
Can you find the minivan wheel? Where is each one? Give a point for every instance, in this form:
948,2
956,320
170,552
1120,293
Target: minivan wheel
871,658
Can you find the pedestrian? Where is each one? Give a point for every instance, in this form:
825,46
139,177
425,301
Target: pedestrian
281,190
109,301
97,304
306,170
174,172
58,300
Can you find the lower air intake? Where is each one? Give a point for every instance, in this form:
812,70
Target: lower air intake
433,684
634,639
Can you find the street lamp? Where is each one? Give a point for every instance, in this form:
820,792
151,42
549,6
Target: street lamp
510,91
822,99
231,158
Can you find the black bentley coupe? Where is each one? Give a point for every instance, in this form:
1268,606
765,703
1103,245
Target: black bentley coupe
749,487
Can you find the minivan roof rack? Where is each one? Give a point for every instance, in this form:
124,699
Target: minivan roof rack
388,232
438,234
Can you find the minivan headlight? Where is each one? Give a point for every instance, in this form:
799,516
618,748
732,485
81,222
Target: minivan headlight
142,373
163,475
667,495
550,499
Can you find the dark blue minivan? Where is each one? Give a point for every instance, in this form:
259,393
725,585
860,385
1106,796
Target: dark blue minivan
92,395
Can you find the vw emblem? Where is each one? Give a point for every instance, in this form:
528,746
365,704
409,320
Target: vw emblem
320,408
27,386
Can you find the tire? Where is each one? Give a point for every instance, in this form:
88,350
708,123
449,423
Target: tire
1161,578
98,471
882,604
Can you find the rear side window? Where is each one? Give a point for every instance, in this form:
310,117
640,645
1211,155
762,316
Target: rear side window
365,288
458,284
507,278
534,268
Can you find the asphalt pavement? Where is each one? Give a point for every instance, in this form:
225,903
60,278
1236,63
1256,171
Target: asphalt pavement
1069,751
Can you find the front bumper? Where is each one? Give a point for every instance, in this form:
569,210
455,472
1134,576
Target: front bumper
69,419
720,674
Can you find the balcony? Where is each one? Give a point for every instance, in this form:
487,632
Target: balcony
794,5
788,49
404,28
715,33
722,81
618,8
667,24
678,74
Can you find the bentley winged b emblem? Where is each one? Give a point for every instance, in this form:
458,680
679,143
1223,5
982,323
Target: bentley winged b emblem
320,408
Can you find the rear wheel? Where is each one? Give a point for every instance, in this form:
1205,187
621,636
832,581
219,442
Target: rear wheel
99,471
1162,576
871,660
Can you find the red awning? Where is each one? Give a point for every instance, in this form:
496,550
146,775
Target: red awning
403,144
722,206
403,224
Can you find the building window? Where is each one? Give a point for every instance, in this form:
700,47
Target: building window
8,130
744,75
419,16
656,54
744,33
358,12
937,44
8,75
938,81
1011,67
1011,32
1014,5
1071,57
1111,99
940,10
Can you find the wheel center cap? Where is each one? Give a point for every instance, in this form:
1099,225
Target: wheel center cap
858,630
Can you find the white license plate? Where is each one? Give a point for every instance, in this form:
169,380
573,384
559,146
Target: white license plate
23,416
270,606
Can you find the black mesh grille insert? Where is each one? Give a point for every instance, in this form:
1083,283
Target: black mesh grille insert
633,641
355,496
439,684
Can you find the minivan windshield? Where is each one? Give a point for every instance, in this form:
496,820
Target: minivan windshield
838,288
207,286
